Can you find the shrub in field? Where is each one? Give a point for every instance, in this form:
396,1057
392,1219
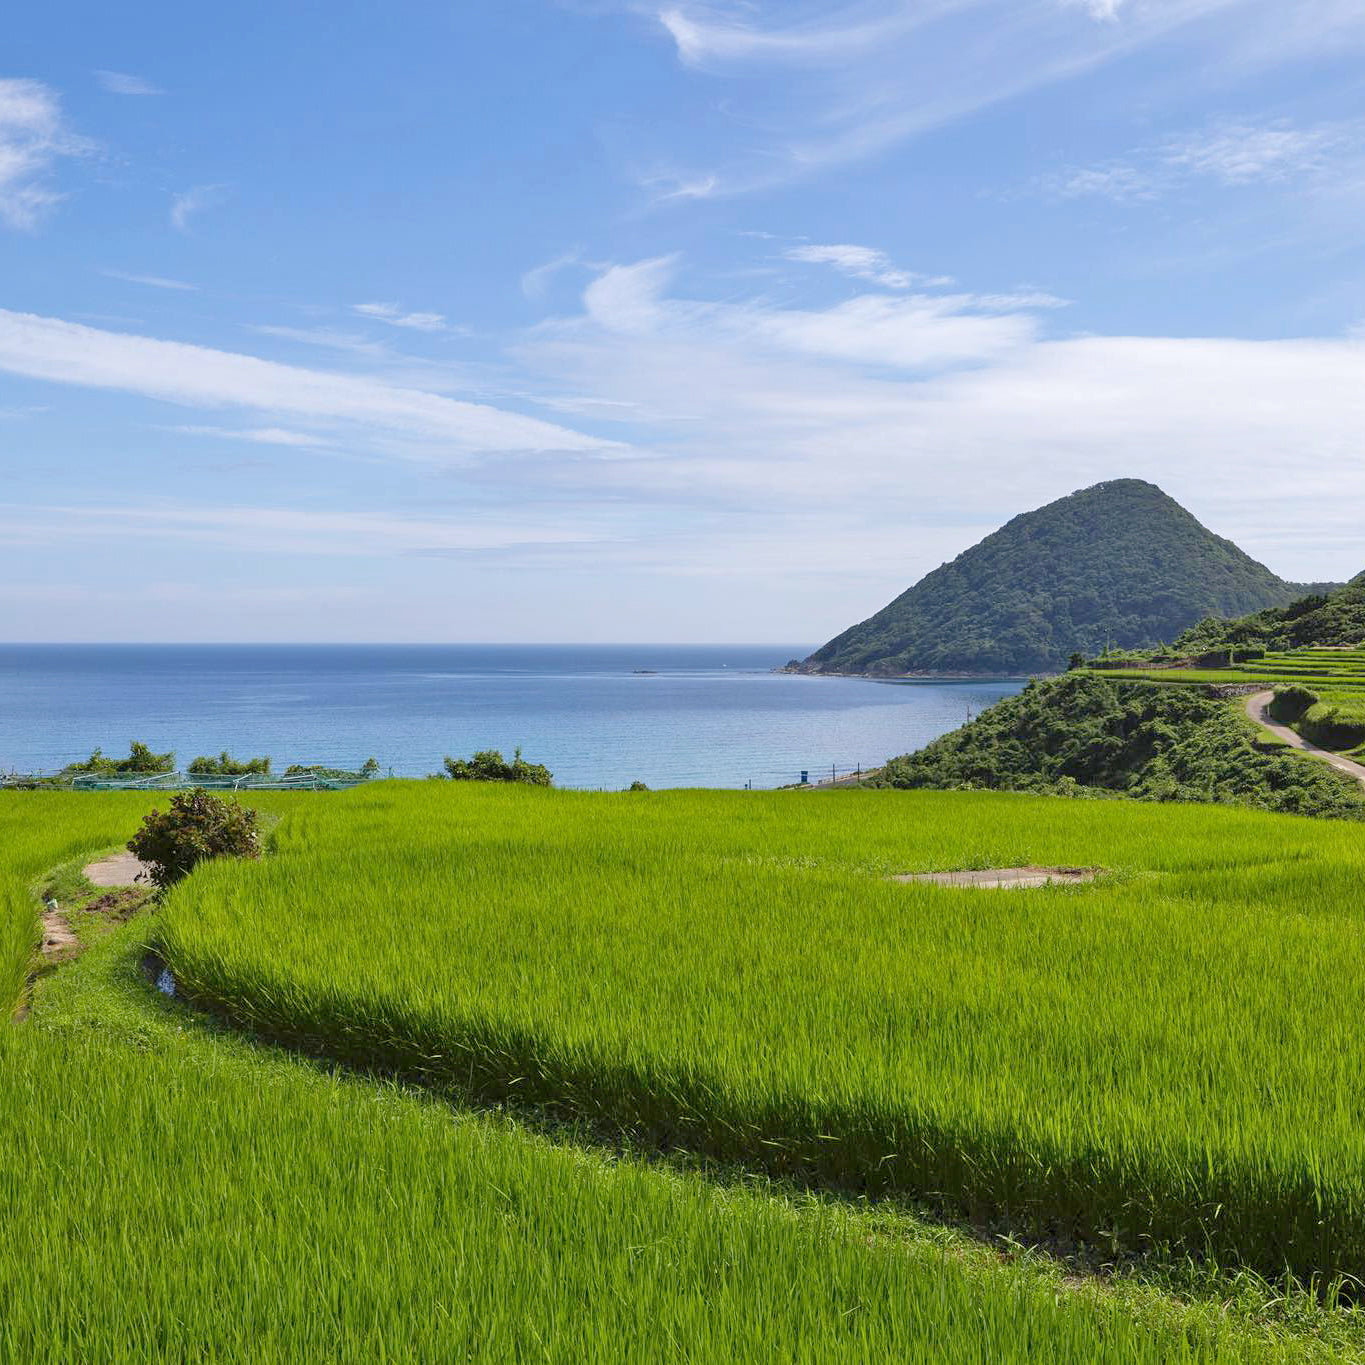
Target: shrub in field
367,770
638,786
227,766
197,825
1291,702
488,765
140,760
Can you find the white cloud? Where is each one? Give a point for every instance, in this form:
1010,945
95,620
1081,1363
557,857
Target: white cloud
913,331
865,263
33,137
885,416
536,281
842,82
299,532
151,281
812,85
396,317
121,83
706,36
1106,11
1233,154
1240,153
269,436
191,203
196,376
329,338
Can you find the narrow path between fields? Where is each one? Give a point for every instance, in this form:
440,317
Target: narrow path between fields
1256,710
118,870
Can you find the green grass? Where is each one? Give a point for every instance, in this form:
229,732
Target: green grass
43,831
1167,1057
171,1192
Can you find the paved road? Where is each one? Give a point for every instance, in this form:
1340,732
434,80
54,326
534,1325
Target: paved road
1256,706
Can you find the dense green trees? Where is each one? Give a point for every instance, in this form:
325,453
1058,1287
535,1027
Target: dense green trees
1333,618
488,765
140,760
1120,564
1085,735
227,766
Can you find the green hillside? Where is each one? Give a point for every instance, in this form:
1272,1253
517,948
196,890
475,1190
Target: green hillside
1086,734
1333,618
1118,564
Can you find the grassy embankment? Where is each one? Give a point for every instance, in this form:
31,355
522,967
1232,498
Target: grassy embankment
171,1191
1166,1057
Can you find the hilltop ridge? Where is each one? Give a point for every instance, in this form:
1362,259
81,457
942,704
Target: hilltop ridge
1119,564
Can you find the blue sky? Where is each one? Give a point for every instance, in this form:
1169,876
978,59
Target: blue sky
626,321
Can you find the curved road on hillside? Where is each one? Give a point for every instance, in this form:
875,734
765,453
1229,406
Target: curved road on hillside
1256,710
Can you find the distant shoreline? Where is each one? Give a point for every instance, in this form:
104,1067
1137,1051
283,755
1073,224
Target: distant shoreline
912,677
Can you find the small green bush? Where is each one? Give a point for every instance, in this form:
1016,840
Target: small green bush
638,786
197,825
488,765
1290,703
367,770
227,766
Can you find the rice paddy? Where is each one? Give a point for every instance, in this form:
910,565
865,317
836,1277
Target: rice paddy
1165,1057
171,1191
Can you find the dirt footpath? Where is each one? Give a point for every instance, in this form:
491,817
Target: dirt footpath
121,869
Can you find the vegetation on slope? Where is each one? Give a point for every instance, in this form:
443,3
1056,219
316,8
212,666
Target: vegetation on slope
1334,618
1117,564
1090,734
736,974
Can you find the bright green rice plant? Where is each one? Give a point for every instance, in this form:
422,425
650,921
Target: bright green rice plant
1166,1056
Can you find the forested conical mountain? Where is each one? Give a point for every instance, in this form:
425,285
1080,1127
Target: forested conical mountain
1335,617
1120,564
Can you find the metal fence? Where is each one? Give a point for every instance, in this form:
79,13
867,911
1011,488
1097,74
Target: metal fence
328,779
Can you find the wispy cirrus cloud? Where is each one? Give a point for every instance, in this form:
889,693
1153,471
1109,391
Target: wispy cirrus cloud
151,281
121,83
298,531
865,263
356,408
1228,154
265,436
189,204
34,137
392,314
808,86
328,338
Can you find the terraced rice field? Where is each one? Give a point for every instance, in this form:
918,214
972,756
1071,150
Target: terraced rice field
170,1191
1169,1055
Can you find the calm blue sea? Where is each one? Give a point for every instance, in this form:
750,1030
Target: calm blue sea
713,716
